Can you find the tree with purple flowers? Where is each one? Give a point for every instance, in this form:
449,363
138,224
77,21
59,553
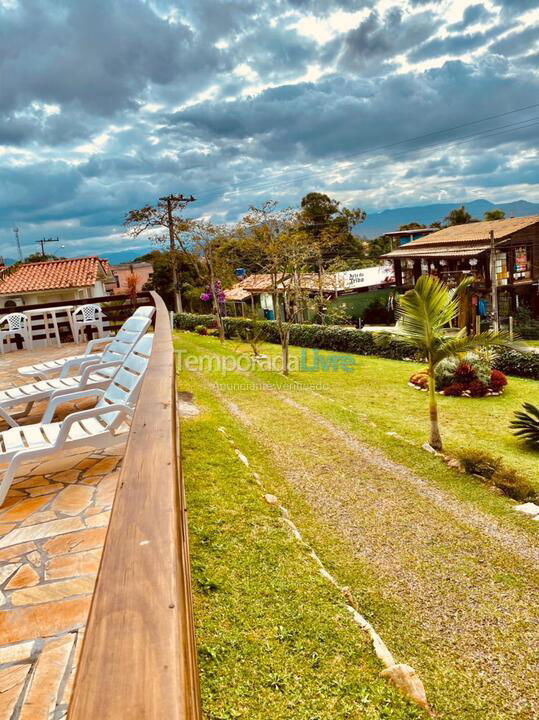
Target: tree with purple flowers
204,243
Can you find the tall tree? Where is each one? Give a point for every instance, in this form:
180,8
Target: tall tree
459,216
204,244
495,214
328,227
162,278
283,252
163,222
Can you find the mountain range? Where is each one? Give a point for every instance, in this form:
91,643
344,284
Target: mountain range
379,223
115,258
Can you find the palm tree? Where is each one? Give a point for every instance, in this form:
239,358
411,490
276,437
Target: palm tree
424,314
495,214
459,216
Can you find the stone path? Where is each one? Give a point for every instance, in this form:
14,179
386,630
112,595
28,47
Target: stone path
52,529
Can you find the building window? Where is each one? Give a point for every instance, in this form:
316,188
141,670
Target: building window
408,272
521,270
502,272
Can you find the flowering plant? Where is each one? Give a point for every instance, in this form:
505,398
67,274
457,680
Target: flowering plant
207,295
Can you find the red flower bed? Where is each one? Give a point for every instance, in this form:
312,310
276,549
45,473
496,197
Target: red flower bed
465,382
497,381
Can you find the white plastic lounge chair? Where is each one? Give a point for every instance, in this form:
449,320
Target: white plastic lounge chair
63,366
83,316
94,372
99,427
17,324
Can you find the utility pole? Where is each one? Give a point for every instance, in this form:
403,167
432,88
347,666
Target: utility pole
16,231
493,283
43,241
169,199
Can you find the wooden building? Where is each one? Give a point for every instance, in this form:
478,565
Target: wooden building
461,250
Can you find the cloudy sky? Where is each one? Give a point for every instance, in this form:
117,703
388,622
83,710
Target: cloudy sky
107,104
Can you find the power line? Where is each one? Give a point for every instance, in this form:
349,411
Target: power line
215,192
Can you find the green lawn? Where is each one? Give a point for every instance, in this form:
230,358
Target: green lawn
439,563
275,640
533,343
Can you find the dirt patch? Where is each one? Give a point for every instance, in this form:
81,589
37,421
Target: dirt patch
186,405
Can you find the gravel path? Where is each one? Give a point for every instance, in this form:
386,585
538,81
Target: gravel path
469,586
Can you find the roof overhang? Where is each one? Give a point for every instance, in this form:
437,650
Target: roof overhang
408,251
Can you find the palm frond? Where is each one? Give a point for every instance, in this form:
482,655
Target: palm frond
526,424
427,308
462,343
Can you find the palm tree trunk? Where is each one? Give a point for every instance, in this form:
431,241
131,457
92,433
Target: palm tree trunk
435,437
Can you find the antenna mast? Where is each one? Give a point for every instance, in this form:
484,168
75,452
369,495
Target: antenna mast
16,231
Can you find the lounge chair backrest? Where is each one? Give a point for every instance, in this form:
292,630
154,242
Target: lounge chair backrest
145,311
125,384
122,344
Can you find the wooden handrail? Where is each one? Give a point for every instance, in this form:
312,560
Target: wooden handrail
138,659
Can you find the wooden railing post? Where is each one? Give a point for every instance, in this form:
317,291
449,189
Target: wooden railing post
138,659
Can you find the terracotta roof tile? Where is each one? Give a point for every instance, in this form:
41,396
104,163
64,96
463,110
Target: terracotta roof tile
51,275
259,282
236,294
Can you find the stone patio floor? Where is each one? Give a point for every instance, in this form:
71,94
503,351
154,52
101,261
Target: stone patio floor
52,530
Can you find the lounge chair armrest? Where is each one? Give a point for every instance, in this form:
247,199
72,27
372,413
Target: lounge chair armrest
82,414
76,362
95,343
59,397
89,368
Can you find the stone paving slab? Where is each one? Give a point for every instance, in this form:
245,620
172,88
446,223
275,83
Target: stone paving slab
52,529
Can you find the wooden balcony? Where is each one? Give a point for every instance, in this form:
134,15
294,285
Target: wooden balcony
96,617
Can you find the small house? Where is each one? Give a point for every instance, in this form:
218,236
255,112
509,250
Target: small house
53,281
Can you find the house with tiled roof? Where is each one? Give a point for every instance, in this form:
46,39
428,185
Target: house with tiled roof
504,251
53,281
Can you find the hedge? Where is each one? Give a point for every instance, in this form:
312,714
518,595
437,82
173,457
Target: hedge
350,340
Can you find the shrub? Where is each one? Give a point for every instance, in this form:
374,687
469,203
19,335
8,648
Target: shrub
477,462
492,470
189,321
497,380
513,485
455,389
445,372
350,340
477,388
421,379
481,365
526,424
513,362
464,373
